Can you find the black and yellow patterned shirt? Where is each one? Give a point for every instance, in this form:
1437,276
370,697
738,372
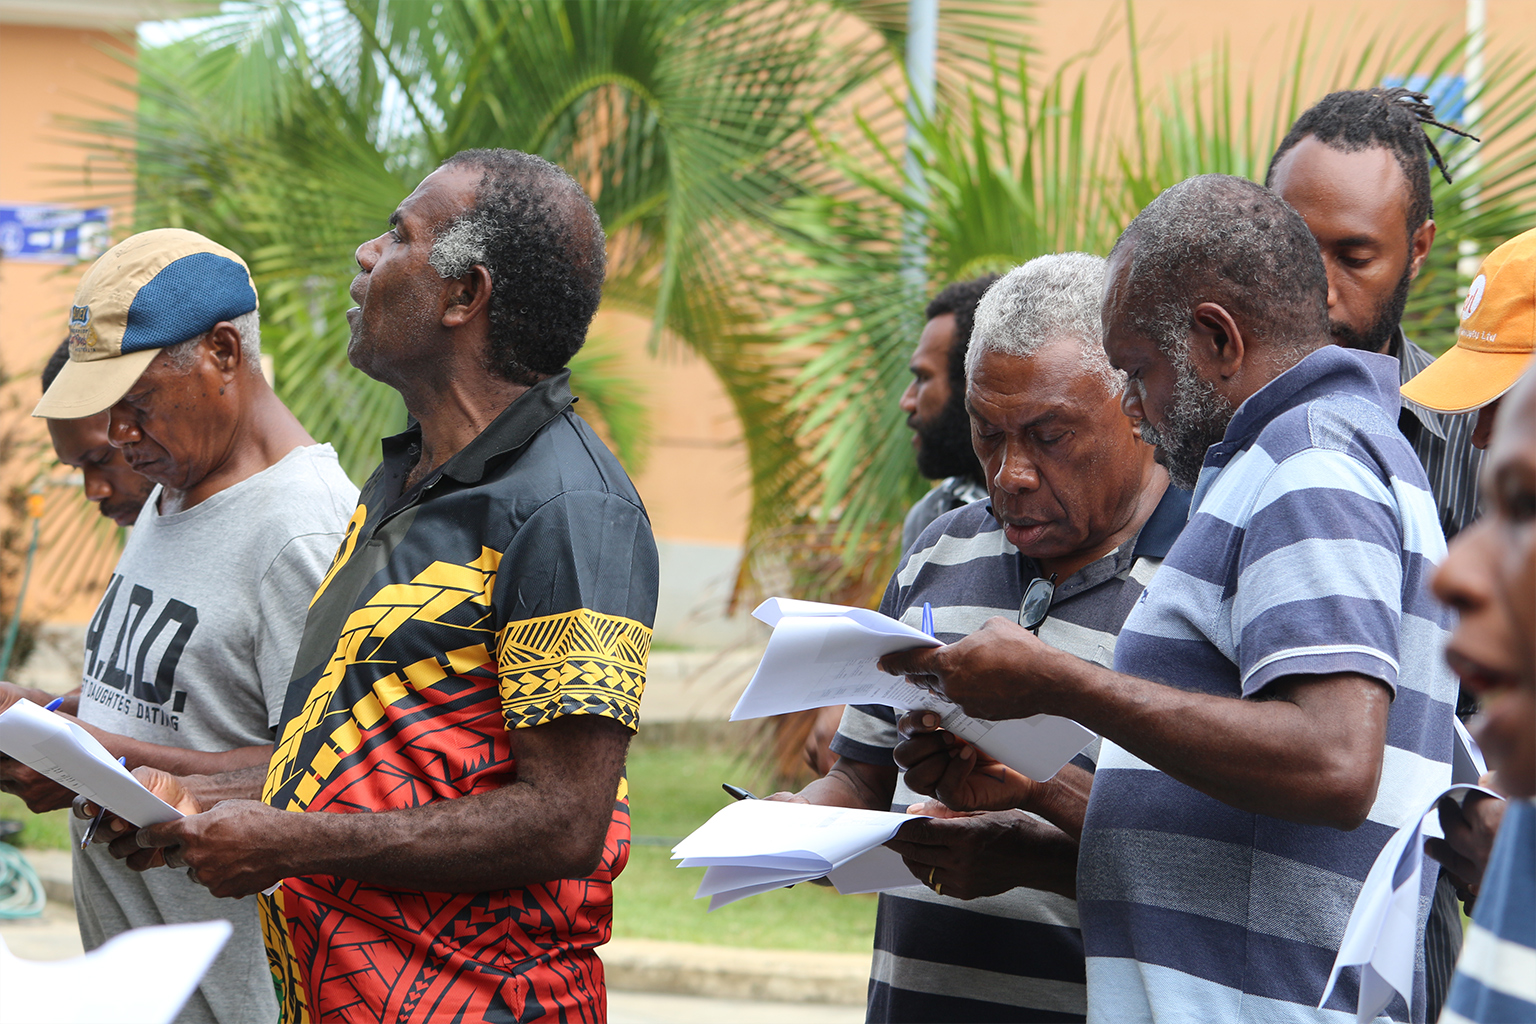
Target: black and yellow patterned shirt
515,585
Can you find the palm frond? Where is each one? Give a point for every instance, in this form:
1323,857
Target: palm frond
1023,168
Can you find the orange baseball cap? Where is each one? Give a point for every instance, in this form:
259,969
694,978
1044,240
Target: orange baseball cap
1497,334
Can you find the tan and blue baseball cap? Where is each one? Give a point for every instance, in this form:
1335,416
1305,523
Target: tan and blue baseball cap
1497,334
149,291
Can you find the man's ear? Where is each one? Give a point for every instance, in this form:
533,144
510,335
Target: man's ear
222,345
468,297
1418,247
1217,345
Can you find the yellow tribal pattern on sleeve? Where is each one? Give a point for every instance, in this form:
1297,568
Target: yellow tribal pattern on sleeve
579,662
437,590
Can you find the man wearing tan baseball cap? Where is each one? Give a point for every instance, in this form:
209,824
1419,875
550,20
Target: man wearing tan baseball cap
151,291
1494,343
187,658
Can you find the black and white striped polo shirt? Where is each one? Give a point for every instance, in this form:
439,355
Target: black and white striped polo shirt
1016,956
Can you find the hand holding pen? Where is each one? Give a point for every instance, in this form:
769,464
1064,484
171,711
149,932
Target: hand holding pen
90,830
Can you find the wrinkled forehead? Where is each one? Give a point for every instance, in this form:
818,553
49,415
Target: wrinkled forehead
1117,279
1054,377
442,195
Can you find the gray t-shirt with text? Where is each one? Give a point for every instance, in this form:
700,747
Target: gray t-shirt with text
192,646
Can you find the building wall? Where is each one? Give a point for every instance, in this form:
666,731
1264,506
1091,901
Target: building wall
47,72
695,483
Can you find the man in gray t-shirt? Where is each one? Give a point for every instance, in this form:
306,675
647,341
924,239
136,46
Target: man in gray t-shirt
188,656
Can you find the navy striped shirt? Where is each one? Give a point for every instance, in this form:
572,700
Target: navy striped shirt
1495,980
1016,956
1308,552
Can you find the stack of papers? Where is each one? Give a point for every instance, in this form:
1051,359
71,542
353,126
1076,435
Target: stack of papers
143,976
824,654
756,846
58,748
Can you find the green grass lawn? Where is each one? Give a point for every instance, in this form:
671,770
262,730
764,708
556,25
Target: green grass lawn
673,789
674,786
40,831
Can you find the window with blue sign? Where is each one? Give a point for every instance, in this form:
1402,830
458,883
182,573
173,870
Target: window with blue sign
36,233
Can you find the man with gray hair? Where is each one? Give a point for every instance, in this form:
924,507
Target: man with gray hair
1078,518
471,667
1278,704
188,655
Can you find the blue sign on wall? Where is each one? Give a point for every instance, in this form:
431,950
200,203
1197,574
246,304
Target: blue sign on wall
35,233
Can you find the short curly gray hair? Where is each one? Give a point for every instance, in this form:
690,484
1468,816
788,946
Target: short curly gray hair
1050,297
181,354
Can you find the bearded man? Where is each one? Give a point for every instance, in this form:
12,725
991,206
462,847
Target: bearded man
1356,167
1278,702
935,406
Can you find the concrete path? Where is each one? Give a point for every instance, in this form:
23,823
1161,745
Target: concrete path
654,1008
650,982
55,937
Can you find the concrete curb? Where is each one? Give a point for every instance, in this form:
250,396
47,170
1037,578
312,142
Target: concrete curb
727,972
651,965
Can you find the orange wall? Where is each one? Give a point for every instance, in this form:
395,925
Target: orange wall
45,73
695,483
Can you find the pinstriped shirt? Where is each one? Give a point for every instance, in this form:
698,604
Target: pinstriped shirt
1311,539
1016,956
1443,444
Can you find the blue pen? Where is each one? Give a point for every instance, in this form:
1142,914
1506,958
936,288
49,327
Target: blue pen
928,618
90,830
53,705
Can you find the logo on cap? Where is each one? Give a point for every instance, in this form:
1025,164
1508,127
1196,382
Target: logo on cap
81,337
1474,296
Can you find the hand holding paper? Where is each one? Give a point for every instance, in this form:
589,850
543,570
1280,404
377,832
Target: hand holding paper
72,757
756,846
823,654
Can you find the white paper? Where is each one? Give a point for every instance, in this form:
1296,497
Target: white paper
1467,764
1383,928
756,846
824,654
60,749
875,870
142,976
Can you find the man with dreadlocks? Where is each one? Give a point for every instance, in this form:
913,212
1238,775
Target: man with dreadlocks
1356,167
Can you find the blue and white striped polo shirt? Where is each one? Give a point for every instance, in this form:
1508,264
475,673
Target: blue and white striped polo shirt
1310,544
1495,980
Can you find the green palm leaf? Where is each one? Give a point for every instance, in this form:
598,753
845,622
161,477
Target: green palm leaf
1021,168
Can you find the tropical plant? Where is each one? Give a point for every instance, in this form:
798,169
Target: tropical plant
290,130
1022,167
48,531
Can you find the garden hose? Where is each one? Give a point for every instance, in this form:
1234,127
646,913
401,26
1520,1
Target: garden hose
21,891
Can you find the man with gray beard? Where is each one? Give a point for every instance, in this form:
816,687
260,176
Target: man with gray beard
1278,700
